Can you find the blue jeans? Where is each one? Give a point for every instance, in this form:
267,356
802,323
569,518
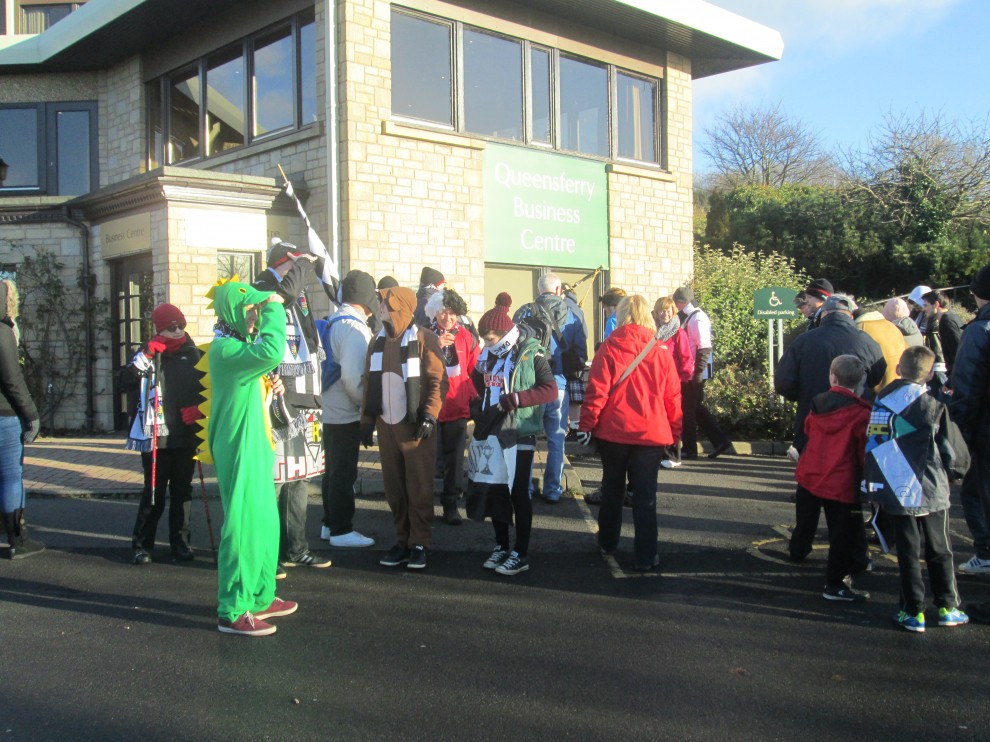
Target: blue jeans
555,426
11,464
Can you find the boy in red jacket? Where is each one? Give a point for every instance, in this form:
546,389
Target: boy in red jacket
830,469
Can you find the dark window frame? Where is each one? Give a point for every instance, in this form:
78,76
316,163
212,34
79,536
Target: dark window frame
47,139
527,47
161,86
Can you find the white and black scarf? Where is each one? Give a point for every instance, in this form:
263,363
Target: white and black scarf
149,420
409,356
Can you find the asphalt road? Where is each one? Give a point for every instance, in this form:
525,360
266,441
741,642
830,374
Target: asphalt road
730,641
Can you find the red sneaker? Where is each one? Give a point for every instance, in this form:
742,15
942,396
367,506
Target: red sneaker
278,607
246,625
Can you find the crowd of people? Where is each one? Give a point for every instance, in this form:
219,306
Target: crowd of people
891,407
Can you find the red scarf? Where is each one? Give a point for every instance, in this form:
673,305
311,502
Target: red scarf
171,344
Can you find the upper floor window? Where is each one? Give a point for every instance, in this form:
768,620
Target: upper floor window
264,84
49,148
35,16
477,82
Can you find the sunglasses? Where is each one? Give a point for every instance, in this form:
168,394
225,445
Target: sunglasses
176,326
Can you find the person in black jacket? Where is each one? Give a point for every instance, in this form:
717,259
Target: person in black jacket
802,372
164,430
944,332
19,424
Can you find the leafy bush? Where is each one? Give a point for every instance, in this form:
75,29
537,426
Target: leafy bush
741,393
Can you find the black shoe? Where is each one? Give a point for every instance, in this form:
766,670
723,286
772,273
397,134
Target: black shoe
688,456
979,612
722,448
280,573
417,558
397,555
183,553
141,557
593,498
450,515
307,559
26,548
845,594
648,567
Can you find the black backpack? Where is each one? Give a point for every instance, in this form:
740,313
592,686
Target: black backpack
539,323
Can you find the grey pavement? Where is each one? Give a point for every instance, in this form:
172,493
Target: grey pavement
730,640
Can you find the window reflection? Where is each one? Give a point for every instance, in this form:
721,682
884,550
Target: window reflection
583,107
183,117
307,55
73,155
421,69
635,114
19,146
492,85
225,102
274,102
539,62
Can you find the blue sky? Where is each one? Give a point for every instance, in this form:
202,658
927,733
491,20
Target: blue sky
847,63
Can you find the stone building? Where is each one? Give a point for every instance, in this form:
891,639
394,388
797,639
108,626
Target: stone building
493,140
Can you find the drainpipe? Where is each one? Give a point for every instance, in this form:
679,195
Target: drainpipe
87,311
333,173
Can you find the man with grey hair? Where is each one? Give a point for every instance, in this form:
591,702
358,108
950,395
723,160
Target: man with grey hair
567,353
803,373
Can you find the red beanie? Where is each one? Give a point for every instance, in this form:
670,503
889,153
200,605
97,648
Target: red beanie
497,319
166,314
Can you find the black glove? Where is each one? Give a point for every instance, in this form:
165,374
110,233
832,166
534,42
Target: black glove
31,431
367,434
583,437
509,402
426,425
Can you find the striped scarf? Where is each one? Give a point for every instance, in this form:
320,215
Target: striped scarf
409,356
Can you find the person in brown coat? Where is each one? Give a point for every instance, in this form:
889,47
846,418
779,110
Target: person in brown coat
405,382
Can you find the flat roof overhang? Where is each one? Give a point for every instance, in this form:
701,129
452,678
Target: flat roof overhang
104,32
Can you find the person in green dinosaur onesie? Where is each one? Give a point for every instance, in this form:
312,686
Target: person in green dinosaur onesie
240,444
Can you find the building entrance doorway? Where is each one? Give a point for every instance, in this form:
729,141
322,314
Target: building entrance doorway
132,303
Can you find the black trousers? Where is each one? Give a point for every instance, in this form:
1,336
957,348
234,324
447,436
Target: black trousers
844,521
697,415
807,511
342,444
522,507
173,473
908,532
450,448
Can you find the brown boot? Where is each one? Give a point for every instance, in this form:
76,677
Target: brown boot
21,546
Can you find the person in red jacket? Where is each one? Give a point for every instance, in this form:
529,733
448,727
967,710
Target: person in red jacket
830,470
460,350
675,338
633,420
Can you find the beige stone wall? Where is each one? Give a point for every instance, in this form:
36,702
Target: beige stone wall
123,123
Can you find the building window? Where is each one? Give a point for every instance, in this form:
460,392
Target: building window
478,82
35,17
49,148
262,85
422,83
244,265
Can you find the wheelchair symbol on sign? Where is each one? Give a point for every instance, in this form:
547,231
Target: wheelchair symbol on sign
774,301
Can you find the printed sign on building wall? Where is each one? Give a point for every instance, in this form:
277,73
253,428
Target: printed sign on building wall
544,209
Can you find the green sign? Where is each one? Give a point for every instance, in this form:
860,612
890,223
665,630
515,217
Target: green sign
544,209
774,302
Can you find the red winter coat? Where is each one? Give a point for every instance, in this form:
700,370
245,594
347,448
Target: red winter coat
831,465
457,403
645,410
680,347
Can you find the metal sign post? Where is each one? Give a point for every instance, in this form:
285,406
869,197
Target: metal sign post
774,303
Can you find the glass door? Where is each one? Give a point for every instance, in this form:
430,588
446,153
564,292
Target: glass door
133,301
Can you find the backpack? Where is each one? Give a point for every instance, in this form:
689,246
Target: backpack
330,367
541,325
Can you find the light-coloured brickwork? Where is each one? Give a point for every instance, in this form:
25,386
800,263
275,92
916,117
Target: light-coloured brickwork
125,123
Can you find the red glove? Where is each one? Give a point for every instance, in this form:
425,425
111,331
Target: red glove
154,346
191,414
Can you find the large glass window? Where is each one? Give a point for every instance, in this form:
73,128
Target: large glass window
540,95
183,117
493,95
583,107
274,100
244,265
422,81
49,148
636,113
19,135
225,102
476,81
266,83
39,17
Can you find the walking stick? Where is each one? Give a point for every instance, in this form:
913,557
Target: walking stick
154,427
206,507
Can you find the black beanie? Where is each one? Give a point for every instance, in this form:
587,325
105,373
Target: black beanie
820,288
981,283
279,251
358,288
430,277
387,282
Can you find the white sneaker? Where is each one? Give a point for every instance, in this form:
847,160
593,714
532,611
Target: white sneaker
976,566
325,533
670,464
352,540
793,454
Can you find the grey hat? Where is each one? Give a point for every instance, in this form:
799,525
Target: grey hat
684,293
839,302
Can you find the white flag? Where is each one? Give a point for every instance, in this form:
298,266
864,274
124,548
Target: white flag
330,277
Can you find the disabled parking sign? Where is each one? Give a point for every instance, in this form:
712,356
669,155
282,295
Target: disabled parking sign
774,302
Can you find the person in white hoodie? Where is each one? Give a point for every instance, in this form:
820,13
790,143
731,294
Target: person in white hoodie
345,336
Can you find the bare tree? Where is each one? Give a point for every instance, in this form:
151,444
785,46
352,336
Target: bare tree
765,146
925,174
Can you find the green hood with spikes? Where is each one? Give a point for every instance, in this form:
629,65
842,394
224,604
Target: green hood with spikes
232,300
